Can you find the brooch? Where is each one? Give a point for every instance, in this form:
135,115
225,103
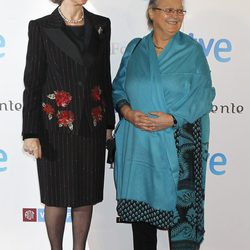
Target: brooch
100,30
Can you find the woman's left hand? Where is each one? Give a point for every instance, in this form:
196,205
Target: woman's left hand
109,134
161,121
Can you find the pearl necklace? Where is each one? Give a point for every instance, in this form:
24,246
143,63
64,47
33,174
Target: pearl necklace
68,20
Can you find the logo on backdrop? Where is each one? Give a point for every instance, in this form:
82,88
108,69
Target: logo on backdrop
117,48
3,160
230,108
10,105
217,163
29,215
37,215
221,48
2,46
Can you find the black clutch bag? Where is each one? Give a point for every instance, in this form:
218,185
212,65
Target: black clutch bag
110,146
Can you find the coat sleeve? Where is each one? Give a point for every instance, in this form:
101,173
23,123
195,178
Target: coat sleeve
34,77
110,116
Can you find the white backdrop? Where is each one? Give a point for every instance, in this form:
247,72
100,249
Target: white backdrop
222,27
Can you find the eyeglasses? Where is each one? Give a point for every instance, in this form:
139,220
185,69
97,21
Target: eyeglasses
168,11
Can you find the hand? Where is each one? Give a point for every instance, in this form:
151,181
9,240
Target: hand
33,147
137,118
162,121
108,134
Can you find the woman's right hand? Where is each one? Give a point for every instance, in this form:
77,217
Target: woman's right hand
137,118
33,147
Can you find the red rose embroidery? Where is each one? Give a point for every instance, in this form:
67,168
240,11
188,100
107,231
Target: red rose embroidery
48,109
96,115
65,119
96,93
63,98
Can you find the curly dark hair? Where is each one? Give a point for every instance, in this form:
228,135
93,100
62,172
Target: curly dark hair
59,2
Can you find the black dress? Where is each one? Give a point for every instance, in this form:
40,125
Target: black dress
67,73
71,172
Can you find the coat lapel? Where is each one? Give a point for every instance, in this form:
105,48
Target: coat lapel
62,41
55,30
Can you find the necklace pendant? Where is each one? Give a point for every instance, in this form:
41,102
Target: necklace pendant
157,47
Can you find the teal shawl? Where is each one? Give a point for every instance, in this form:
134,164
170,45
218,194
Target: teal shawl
155,183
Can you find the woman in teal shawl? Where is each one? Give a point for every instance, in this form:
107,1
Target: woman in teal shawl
163,93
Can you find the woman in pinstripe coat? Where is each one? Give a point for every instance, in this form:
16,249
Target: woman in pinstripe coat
68,113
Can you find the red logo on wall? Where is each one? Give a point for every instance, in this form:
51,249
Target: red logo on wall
29,215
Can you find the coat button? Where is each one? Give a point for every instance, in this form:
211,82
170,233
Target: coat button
80,83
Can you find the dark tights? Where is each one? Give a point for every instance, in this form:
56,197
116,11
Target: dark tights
144,236
55,223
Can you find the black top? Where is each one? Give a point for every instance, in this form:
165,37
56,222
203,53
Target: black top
76,34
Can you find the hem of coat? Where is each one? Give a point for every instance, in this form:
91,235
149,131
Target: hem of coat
71,204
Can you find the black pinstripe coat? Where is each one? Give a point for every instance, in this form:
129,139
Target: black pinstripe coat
67,104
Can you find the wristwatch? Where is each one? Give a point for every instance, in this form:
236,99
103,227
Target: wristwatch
175,122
